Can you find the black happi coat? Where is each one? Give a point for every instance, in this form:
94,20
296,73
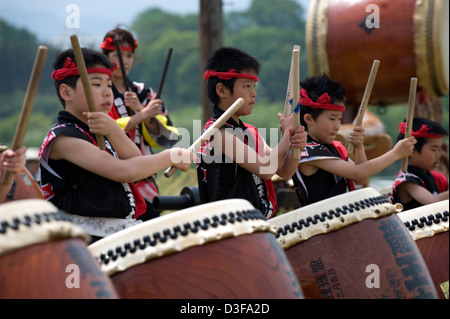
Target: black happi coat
78,191
435,182
219,178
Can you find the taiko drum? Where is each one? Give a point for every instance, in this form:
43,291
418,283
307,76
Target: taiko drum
223,249
409,37
353,246
428,226
43,256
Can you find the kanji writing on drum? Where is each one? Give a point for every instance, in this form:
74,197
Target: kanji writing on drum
394,283
89,271
406,259
327,280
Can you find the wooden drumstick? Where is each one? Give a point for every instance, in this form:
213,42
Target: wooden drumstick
287,102
85,81
365,99
210,131
296,94
409,119
122,67
27,105
163,76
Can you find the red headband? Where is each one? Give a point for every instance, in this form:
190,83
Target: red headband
231,73
323,102
422,132
70,69
108,45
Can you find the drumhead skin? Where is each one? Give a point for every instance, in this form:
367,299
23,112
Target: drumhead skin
331,215
42,255
32,221
353,246
223,249
428,226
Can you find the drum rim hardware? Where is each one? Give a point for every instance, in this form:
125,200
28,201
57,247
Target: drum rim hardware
167,234
176,232
298,229
34,221
426,221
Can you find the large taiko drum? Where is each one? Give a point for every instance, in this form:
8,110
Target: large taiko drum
223,249
428,226
353,246
44,256
411,40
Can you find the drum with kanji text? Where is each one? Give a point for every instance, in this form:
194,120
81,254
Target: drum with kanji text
353,246
428,226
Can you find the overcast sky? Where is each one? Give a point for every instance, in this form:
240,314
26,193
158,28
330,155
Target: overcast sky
47,18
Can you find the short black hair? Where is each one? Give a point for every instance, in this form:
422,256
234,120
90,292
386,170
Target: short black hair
316,86
433,127
91,59
225,59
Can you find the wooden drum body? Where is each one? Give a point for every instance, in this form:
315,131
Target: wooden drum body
218,250
44,256
352,246
409,37
428,226
24,187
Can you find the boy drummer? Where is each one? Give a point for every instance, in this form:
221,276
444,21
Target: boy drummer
238,163
422,184
95,187
325,169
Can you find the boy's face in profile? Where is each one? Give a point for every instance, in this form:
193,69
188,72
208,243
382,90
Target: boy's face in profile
325,127
101,86
243,88
429,157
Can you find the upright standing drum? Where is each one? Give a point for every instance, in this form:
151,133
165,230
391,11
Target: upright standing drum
428,226
353,246
44,256
409,37
222,249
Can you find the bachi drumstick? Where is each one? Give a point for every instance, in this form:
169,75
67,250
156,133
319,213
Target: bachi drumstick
409,119
296,94
121,65
86,85
163,76
365,99
210,131
27,105
287,103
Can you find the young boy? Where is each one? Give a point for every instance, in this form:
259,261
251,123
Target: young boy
237,162
12,161
94,186
421,184
138,111
325,169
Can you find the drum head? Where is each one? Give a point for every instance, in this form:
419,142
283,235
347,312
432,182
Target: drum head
177,231
427,221
428,226
330,215
32,221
